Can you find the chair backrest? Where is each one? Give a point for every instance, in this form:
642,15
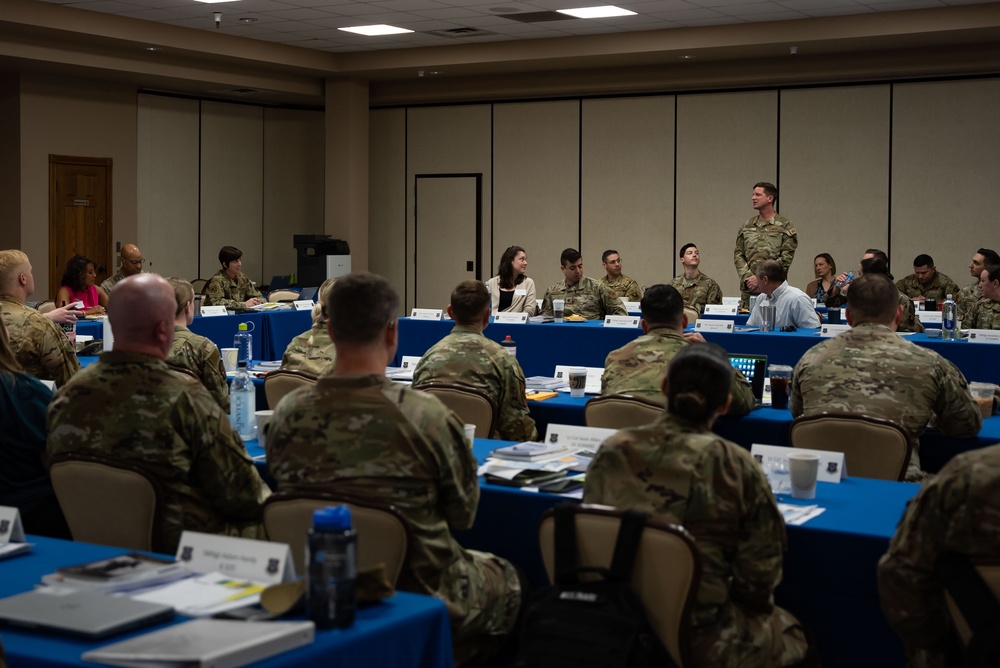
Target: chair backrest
872,447
617,411
692,315
279,383
46,306
282,295
472,406
666,573
383,534
991,575
108,502
199,285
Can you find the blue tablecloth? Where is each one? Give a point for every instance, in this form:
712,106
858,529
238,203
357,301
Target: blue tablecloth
282,327
406,630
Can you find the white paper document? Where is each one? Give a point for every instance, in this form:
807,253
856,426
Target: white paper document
206,594
799,515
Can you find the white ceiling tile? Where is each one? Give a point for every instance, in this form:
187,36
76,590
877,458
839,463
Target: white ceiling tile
407,5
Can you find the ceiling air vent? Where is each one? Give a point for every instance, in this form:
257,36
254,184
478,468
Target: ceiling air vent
461,32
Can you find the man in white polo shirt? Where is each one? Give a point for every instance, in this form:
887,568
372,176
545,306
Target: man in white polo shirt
793,308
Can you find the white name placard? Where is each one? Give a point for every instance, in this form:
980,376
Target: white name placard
731,300
258,560
210,311
302,304
832,330
426,313
722,309
11,530
832,467
631,306
621,321
594,374
703,325
584,438
409,362
511,318
984,335
929,317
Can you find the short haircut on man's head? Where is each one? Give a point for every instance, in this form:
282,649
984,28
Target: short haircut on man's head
992,272
684,249
183,293
606,254
11,262
662,304
360,307
874,265
769,189
229,254
569,256
469,300
873,298
874,252
772,270
990,256
923,260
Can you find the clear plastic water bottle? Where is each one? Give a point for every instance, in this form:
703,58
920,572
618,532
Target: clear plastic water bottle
949,320
243,342
509,345
243,403
848,277
331,576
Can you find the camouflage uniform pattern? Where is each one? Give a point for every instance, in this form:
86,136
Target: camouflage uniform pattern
984,315
967,298
200,356
110,281
685,474
760,240
910,322
589,298
954,512
369,438
697,292
134,408
466,357
938,289
40,346
873,371
312,352
231,293
639,367
623,287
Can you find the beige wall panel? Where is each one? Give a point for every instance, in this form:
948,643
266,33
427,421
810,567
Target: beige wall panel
628,185
835,173
449,140
167,231
293,184
231,184
726,142
945,171
69,116
536,187
387,197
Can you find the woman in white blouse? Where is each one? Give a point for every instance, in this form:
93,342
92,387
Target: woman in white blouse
511,290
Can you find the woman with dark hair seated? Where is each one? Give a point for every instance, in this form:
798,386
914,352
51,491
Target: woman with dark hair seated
79,283
511,290
677,469
230,287
826,272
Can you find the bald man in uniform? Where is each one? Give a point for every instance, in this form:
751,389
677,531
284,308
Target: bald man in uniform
130,264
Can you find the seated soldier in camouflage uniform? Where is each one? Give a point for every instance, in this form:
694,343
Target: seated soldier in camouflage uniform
40,346
696,288
313,351
985,313
926,282
131,406
956,512
357,433
640,366
466,357
970,294
230,287
871,370
193,352
618,284
583,296
677,469
877,262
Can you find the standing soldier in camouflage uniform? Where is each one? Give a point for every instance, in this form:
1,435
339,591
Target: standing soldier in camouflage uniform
926,282
193,352
230,287
618,284
312,351
956,512
696,288
356,433
677,469
985,314
467,358
871,370
583,296
130,406
40,346
766,236
640,366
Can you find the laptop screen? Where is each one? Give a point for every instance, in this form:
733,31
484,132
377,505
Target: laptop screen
754,367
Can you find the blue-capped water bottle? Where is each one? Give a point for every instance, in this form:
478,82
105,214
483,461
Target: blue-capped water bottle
243,404
243,342
949,320
331,575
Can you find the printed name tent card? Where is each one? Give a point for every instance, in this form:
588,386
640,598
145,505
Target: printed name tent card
302,304
11,533
832,465
621,321
722,309
259,560
511,318
210,311
833,330
705,325
426,313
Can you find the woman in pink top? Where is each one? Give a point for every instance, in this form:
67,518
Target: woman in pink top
79,284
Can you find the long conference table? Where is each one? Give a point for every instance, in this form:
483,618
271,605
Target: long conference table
405,630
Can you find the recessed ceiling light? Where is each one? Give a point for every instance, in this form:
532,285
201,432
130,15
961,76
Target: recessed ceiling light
212,2
153,48
248,19
374,31
688,56
596,12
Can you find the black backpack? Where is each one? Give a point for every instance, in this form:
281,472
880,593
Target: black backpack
598,623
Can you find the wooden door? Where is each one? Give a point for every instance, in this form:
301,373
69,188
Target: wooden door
79,215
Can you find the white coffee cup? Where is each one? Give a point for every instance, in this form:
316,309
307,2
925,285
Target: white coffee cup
263,420
229,357
577,381
803,468
558,308
470,433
